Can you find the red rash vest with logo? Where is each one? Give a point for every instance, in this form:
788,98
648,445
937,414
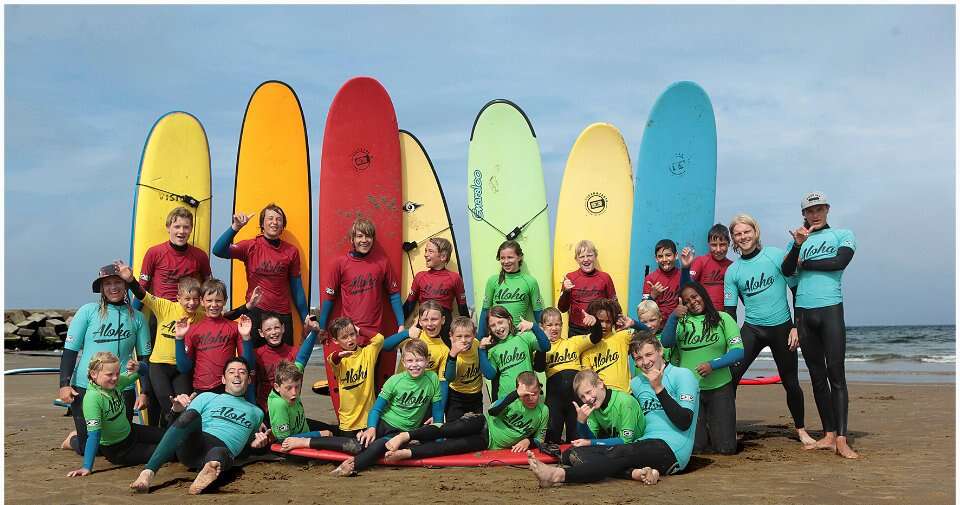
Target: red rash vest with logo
163,267
210,344
360,283
267,360
667,301
709,272
271,268
587,287
443,286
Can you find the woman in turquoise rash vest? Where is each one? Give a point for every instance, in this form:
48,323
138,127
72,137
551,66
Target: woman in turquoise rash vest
756,280
512,289
110,325
211,432
818,255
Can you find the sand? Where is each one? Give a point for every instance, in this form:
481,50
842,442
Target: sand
904,432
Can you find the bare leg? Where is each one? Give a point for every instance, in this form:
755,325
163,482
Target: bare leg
207,475
829,441
845,450
66,442
142,484
345,469
548,476
398,455
291,443
805,437
647,475
398,441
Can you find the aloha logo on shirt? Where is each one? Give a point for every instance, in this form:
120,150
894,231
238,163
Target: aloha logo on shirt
692,339
233,416
207,341
557,358
512,357
361,284
821,251
432,292
587,293
113,334
411,399
353,377
649,402
517,422
754,286
604,360
268,267
470,374
507,295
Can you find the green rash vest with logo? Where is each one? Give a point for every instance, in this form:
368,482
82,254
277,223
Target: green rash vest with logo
230,418
695,347
519,294
510,358
409,398
285,419
106,412
619,416
516,423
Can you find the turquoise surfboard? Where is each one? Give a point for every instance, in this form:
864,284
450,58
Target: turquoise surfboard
676,180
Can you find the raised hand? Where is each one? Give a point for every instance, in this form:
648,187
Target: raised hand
656,289
182,327
588,320
524,325
458,346
133,366
240,220
681,310
567,283
793,340
486,342
255,296
126,273
180,402
583,411
244,326
654,377
686,257
414,331
624,322
800,234
310,324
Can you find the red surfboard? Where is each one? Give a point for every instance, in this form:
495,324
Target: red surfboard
499,457
760,381
360,176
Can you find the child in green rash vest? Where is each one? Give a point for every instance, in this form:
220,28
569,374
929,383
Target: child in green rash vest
512,289
404,402
709,343
108,429
508,350
606,416
508,424
211,432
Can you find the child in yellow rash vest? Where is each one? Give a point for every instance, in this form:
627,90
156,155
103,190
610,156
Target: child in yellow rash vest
461,371
609,358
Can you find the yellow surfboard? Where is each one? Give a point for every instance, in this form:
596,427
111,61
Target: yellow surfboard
273,166
596,204
425,212
174,171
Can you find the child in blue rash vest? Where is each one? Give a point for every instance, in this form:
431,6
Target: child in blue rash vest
516,291
402,405
669,398
108,429
755,279
818,255
211,432
508,350
110,325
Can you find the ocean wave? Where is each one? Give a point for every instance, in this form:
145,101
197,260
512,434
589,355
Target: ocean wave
937,358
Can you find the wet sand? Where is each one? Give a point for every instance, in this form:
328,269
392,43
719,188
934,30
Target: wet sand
904,432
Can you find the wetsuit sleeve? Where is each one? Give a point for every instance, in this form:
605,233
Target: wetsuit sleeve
439,405
486,368
463,309
537,315
669,335
397,308
789,265
838,262
563,303
299,297
596,332
539,361
732,356
306,349
235,313
681,417
391,342
450,370
184,363
731,310
138,291
222,248
251,358
499,406
408,306
373,419
684,276
543,343
68,362
91,448
144,347
584,431
325,309
731,293
639,326
735,351
482,329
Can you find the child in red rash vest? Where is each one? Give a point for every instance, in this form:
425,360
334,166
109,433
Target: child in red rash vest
663,284
583,286
438,283
272,353
709,269
164,264
205,347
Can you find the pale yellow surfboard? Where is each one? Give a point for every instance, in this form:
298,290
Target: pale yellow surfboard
425,212
273,166
596,204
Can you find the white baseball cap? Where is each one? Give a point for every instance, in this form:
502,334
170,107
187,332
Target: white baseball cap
814,198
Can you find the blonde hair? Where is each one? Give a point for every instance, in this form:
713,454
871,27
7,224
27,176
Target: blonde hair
551,312
98,360
415,347
648,307
444,247
589,376
363,225
748,220
463,322
179,212
587,246
187,285
214,287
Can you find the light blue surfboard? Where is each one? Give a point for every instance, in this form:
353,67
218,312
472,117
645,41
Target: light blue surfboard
676,180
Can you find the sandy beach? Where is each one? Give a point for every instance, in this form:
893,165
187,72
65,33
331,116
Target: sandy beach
904,432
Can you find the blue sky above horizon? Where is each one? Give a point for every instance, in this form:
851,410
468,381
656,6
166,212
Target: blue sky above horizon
855,101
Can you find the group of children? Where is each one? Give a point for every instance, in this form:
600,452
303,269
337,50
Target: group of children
633,398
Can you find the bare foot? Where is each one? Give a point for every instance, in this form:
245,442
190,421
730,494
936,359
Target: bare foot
142,484
647,475
207,475
344,470
398,441
845,450
547,476
66,442
805,437
291,443
399,455
829,441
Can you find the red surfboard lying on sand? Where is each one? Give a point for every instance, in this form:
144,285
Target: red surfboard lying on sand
501,457
760,381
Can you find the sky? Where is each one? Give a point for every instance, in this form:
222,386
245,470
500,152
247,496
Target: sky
858,102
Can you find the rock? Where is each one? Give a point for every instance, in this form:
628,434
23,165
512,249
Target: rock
57,325
52,343
15,316
26,332
46,331
28,324
37,316
9,328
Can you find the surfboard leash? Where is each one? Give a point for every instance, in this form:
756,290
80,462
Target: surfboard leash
187,199
516,231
